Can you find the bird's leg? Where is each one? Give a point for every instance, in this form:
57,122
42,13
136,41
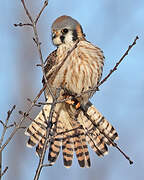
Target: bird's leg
73,101
71,98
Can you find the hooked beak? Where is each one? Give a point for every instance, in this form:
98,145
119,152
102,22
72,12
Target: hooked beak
55,34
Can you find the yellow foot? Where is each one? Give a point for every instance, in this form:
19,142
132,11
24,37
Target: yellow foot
74,102
71,102
77,105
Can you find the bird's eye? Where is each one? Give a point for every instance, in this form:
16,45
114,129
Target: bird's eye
65,30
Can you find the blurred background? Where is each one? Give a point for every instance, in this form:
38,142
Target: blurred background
111,25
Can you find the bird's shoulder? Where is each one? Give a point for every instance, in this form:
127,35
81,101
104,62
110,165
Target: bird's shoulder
49,62
88,45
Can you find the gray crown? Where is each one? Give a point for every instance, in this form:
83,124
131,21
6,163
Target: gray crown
65,22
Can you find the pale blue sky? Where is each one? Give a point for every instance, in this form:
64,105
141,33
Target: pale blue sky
112,25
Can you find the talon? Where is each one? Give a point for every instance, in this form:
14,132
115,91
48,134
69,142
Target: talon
78,105
71,102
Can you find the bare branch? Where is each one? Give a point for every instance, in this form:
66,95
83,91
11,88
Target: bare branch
5,170
47,165
11,125
5,127
118,63
114,68
38,65
5,124
45,103
27,12
21,121
38,16
22,24
29,100
2,123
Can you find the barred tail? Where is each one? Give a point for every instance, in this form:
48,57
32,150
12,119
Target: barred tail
99,131
37,128
108,131
81,150
68,150
72,134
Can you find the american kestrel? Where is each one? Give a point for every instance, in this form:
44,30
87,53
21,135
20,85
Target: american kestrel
76,65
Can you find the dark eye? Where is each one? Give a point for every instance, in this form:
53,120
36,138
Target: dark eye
65,30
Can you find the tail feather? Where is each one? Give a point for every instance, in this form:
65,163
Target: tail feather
98,121
81,150
93,136
55,145
66,132
86,152
67,149
96,142
54,149
37,128
39,147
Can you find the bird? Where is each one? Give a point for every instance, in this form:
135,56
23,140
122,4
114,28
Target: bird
75,67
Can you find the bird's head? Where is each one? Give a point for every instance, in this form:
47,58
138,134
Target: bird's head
66,30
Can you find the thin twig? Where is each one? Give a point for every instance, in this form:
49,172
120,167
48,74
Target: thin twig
27,12
5,127
0,165
11,125
44,103
21,120
118,63
79,127
23,24
38,16
38,65
58,101
29,100
47,165
115,67
2,123
5,170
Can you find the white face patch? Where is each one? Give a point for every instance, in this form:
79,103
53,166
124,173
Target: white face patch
57,41
67,38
